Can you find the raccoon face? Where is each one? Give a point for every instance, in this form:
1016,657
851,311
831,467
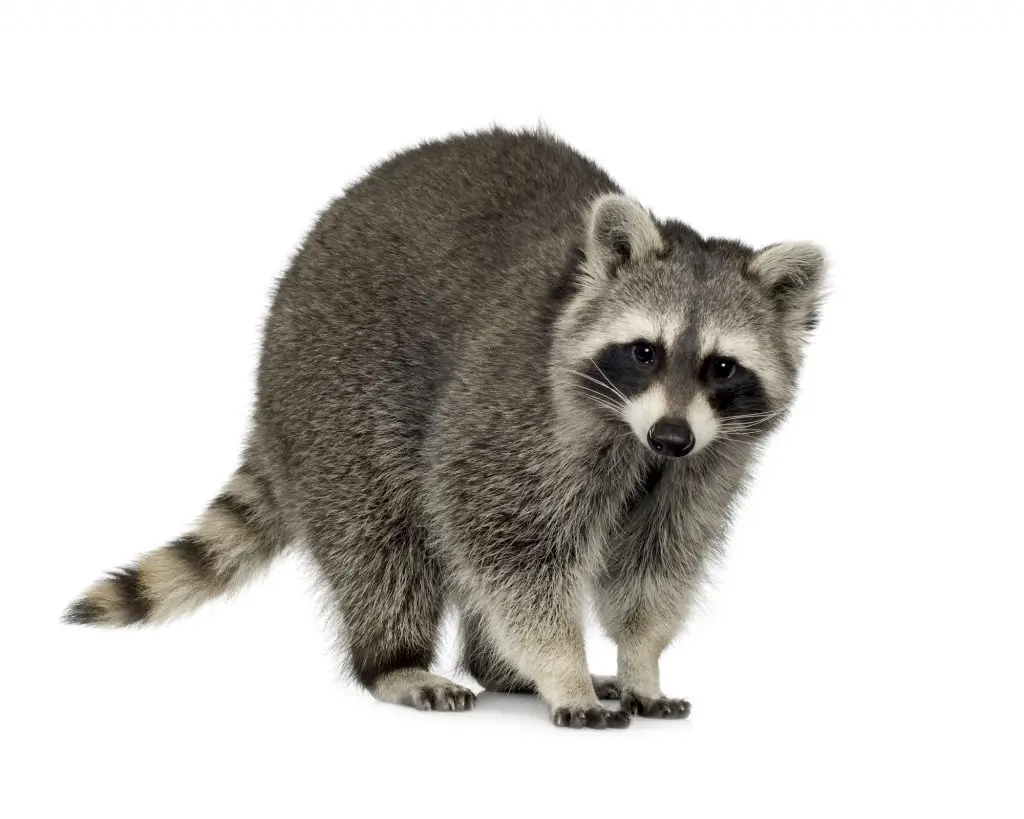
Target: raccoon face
687,341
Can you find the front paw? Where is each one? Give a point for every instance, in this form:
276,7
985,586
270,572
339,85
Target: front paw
594,717
654,707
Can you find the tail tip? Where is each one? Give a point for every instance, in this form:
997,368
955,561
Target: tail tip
115,600
83,612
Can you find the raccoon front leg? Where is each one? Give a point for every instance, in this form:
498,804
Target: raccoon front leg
518,526
537,643
642,628
639,676
481,657
552,655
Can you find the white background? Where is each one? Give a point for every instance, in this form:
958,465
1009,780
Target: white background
860,651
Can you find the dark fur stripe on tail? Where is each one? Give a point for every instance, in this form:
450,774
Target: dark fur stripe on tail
197,553
129,584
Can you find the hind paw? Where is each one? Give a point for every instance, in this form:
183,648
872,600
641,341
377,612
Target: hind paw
440,698
606,688
423,691
595,717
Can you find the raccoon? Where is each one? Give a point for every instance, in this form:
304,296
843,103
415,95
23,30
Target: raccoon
494,384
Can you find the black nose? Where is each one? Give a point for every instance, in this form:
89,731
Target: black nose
672,438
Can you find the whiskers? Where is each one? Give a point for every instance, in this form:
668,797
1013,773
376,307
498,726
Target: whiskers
600,391
602,399
744,428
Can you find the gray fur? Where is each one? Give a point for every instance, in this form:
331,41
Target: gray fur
422,432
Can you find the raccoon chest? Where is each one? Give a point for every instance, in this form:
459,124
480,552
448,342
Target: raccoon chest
642,497
661,512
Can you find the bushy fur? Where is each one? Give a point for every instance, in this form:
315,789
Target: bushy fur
448,416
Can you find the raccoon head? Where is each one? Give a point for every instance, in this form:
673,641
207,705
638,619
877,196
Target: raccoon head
688,341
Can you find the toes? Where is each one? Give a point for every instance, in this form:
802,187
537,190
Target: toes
629,703
658,708
442,698
617,719
678,709
569,717
655,707
607,718
606,688
597,718
465,700
457,698
607,691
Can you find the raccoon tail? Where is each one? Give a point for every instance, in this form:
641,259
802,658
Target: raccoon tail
237,536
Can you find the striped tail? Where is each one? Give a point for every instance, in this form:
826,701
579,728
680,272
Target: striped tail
238,535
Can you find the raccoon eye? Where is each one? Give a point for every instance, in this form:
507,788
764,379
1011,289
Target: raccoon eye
721,369
644,353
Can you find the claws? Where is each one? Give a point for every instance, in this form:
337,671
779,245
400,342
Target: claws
441,698
654,707
598,718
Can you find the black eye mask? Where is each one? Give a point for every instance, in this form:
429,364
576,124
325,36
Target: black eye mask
620,365
740,394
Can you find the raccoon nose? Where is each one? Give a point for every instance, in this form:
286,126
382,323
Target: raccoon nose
672,438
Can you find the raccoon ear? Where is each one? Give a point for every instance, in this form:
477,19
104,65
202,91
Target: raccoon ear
619,230
793,273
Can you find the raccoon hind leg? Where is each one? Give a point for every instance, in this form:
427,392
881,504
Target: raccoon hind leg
390,595
480,658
